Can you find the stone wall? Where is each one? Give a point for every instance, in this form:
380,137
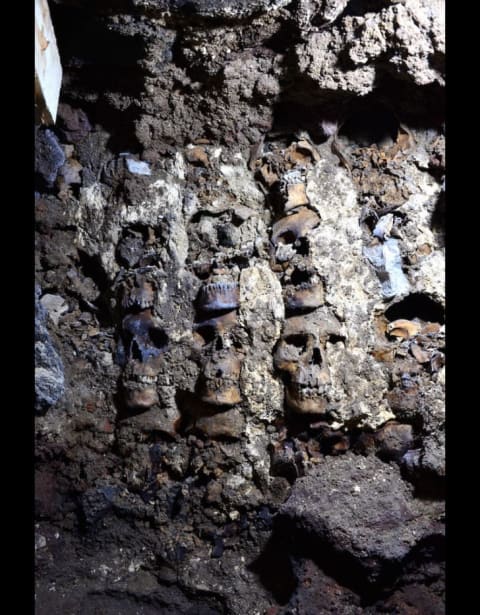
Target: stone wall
240,273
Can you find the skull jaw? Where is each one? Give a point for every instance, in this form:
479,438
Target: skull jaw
224,395
141,398
303,298
315,404
140,383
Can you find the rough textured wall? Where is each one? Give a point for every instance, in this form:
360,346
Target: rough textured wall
240,309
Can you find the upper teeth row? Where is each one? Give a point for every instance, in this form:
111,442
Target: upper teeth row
146,379
302,391
219,287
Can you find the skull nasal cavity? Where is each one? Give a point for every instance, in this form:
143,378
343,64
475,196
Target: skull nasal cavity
136,351
316,357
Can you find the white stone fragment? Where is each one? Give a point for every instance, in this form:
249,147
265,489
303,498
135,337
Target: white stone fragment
55,306
48,69
138,167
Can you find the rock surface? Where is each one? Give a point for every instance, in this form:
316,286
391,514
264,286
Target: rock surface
49,375
362,508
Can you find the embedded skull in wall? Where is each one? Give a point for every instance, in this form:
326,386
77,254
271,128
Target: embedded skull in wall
302,285
220,378
144,341
290,255
300,356
219,381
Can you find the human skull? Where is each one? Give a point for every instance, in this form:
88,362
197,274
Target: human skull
219,381
144,341
302,286
299,277
289,236
220,378
300,356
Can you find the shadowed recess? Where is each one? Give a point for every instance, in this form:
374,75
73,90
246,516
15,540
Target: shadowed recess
416,305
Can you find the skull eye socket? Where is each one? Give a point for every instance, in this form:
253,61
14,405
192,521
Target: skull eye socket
142,339
144,351
207,332
288,237
158,337
133,326
297,341
294,347
299,277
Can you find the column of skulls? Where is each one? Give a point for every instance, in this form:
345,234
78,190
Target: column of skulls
221,232
217,303
300,353
143,340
